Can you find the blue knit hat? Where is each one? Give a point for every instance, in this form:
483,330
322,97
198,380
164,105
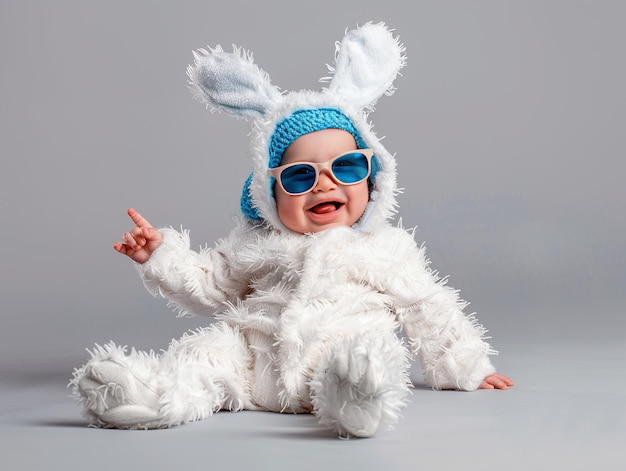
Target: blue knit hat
298,124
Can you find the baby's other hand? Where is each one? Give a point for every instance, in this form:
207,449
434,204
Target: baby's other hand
140,241
496,381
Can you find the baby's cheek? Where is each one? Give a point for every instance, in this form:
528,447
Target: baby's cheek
289,209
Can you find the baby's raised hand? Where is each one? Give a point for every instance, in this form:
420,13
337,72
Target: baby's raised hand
496,381
140,241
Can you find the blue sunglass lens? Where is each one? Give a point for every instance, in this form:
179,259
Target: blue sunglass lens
350,168
298,178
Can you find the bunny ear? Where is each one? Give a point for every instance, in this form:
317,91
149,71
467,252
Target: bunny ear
231,82
367,61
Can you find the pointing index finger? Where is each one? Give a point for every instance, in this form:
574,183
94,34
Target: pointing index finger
138,219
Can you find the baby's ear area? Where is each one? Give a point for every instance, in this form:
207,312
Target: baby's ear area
367,61
231,82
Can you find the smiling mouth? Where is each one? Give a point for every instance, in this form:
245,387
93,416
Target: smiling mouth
326,207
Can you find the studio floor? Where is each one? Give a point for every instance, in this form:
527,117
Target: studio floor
566,412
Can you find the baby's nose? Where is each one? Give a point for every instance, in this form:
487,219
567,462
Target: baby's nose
325,182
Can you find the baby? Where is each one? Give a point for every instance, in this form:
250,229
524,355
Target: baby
312,288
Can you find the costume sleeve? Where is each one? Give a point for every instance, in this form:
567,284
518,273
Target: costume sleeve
450,344
195,282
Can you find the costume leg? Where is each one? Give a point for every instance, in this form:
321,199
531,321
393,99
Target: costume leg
200,373
203,372
362,384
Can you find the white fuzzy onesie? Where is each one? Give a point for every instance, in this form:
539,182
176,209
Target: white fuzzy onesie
323,322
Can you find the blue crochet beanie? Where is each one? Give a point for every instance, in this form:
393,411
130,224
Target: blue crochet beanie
299,123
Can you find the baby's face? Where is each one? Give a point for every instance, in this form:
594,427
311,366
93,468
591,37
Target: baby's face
329,204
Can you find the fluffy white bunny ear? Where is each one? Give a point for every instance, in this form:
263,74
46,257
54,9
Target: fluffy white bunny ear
231,82
367,61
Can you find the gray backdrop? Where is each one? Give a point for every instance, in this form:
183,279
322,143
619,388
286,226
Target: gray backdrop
508,125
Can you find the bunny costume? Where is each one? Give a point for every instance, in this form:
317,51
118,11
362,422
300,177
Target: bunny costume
305,322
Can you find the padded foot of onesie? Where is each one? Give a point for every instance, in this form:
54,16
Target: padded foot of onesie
117,392
363,385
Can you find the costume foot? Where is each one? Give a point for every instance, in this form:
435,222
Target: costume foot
362,387
117,395
352,382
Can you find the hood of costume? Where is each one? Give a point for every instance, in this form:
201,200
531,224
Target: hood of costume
367,61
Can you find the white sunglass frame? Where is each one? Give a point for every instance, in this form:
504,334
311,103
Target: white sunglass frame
319,166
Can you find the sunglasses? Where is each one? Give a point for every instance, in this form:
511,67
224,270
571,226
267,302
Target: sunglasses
349,168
